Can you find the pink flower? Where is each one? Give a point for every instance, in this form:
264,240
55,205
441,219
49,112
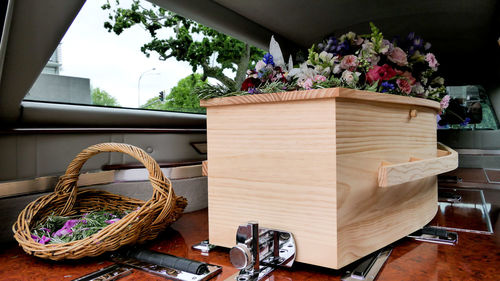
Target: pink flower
319,78
349,62
431,59
377,73
307,84
445,102
398,56
404,86
409,77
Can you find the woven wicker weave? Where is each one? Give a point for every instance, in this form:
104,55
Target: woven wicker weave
148,219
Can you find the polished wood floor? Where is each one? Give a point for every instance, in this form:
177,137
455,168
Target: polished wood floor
475,257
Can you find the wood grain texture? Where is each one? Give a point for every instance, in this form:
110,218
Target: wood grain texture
308,164
320,94
274,163
367,134
415,169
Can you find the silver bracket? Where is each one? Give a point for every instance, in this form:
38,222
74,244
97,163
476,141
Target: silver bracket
435,235
368,268
204,247
259,251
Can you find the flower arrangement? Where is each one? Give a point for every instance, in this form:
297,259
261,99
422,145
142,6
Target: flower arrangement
64,229
365,62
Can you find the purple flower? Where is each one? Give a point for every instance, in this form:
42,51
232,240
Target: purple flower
44,240
70,223
252,91
46,230
387,86
466,122
111,221
63,231
268,59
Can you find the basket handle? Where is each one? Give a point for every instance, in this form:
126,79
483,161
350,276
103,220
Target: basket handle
67,182
415,169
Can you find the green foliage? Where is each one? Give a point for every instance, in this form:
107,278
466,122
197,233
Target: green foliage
209,91
101,97
376,37
181,97
88,224
192,42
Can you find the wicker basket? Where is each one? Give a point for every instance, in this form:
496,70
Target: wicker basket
148,219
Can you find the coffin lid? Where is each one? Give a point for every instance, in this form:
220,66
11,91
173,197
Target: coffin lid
320,94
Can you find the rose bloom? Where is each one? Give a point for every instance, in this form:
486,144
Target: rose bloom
348,76
404,86
376,73
410,78
398,56
431,59
349,62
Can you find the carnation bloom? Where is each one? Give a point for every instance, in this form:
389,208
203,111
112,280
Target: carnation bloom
319,78
398,56
349,62
404,86
307,84
431,59
377,73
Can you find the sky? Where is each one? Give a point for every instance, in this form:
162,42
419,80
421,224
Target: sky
115,63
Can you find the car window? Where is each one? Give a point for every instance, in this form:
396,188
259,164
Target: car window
93,65
470,108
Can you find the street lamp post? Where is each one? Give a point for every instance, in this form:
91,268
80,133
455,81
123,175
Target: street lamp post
139,86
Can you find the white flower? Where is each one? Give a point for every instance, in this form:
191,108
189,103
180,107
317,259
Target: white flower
418,89
303,73
326,57
350,77
337,69
260,65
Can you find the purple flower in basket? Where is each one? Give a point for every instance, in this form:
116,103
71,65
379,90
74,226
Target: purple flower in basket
70,223
46,230
42,240
63,231
112,221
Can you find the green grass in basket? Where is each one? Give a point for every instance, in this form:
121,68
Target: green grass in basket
64,229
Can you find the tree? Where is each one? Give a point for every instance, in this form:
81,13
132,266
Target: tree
180,97
194,43
101,97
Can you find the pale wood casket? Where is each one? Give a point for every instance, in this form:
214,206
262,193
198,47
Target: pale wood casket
346,171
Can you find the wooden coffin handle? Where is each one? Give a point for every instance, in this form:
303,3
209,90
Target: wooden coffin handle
393,174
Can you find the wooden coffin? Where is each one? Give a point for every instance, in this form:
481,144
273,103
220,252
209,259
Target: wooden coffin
346,171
